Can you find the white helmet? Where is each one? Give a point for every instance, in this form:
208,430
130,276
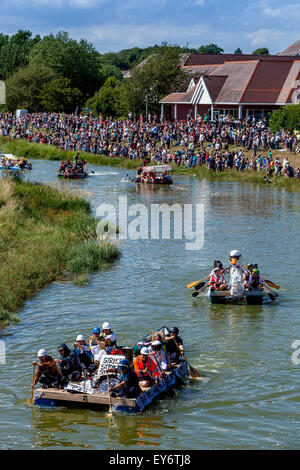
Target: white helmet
42,352
235,254
80,338
145,351
106,326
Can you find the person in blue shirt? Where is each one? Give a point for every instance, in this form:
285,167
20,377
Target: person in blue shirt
129,381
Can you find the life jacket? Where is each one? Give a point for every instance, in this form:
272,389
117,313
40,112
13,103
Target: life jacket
139,366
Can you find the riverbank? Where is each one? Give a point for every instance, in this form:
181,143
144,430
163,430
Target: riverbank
43,233
47,152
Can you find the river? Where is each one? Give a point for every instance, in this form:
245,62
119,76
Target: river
249,395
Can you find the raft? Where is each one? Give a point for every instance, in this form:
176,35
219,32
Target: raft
93,395
253,297
78,176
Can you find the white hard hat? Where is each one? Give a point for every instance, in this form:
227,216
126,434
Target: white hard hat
145,351
156,343
80,338
106,326
235,254
42,352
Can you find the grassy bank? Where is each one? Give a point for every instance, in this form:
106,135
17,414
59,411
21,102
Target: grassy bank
41,232
42,151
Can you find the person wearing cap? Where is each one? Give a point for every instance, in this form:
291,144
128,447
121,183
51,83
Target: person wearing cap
68,363
129,381
96,345
48,373
145,368
108,338
175,347
157,353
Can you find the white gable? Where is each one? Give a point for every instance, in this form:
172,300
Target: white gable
201,94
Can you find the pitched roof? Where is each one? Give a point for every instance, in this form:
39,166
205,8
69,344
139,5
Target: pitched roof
293,49
238,76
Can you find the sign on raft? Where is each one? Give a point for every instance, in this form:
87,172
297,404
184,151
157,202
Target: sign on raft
109,362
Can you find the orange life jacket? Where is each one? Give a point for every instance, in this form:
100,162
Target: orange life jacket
139,366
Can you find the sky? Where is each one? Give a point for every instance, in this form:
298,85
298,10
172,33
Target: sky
113,25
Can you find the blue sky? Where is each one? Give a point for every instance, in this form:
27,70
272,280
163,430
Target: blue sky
112,25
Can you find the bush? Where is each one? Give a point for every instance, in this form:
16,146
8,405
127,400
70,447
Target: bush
286,118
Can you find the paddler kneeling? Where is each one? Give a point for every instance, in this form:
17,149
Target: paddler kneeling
129,381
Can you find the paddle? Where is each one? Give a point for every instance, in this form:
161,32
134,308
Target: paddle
197,282
30,401
205,285
270,294
170,390
109,413
193,372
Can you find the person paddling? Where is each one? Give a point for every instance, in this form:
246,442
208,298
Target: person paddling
217,279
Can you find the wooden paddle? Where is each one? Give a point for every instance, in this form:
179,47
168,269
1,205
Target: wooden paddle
109,413
30,401
270,294
197,282
193,372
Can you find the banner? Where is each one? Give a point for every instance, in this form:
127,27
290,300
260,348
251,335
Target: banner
108,362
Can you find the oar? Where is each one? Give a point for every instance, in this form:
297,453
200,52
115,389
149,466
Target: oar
270,294
109,413
197,282
193,372
170,390
205,285
30,401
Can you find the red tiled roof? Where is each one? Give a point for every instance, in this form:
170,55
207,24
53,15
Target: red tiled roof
179,97
214,84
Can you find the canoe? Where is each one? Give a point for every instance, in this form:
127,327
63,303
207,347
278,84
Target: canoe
14,168
90,394
254,297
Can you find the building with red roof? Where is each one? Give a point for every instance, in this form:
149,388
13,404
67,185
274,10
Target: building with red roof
239,85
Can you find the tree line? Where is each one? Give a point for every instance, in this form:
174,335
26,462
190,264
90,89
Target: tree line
57,73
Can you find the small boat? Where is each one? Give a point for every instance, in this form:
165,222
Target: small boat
160,174
252,297
91,393
11,163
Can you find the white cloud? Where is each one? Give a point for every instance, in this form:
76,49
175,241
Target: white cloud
282,11
83,4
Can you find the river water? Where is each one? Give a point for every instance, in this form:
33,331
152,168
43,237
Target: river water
249,395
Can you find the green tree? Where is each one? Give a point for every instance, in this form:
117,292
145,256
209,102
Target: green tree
261,51
77,61
156,77
23,87
238,51
14,51
106,100
286,118
58,95
210,49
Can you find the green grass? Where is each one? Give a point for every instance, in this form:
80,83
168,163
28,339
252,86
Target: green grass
39,228
91,256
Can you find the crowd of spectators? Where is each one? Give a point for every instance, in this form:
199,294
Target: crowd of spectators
220,144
